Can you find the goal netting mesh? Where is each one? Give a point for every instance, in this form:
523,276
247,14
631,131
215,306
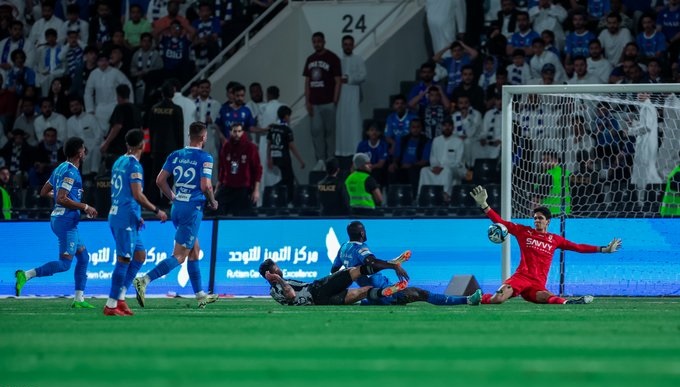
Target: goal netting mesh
593,155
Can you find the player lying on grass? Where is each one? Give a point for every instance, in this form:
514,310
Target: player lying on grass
329,290
537,247
356,252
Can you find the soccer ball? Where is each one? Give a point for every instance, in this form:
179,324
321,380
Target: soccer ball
497,233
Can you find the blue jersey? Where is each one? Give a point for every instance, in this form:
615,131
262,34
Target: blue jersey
66,176
229,116
519,40
352,254
125,211
396,126
454,68
577,44
669,22
598,9
174,51
649,46
377,152
188,166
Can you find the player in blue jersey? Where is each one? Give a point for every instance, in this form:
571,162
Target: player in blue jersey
65,186
191,168
125,219
356,253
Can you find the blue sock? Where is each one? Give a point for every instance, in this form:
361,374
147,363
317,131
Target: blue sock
194,275
163,268
441,299
117,279
80,273
132,271
52,267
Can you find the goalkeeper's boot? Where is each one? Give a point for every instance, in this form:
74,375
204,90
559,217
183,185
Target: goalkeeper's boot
113,311
123,307
581,300
393,289
208,299
81,305
140,288
475,298
20,276
403,257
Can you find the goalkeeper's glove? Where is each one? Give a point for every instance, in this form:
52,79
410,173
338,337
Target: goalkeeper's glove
614,245
479,194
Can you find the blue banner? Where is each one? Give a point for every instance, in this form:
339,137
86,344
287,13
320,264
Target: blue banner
648,264
32,244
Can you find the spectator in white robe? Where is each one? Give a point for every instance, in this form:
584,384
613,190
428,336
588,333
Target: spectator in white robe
578,141
188,108
548,16
207,111
47,21
646,132
466,123
488,144
349,131
447,167
668,153
445,20
542,57
598,65
50,119
100,90
86,126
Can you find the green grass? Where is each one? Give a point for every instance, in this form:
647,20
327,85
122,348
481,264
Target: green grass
256,342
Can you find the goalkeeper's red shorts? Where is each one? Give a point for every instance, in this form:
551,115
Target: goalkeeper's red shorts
525,287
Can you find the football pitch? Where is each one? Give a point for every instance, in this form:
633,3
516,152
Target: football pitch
256,342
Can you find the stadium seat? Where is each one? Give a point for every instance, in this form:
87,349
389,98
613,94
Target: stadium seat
275,200
431,196
461,200
306,200
400,200
494,200
381,114
406,86
103,197
485,171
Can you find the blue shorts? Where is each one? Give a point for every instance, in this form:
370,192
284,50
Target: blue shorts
128,241
66,230
187,219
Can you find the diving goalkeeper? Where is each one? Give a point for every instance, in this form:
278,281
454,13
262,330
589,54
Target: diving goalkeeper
536,246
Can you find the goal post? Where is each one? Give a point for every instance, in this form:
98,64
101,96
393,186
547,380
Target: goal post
586,151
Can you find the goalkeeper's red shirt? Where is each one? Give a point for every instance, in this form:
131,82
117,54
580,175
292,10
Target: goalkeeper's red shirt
537,248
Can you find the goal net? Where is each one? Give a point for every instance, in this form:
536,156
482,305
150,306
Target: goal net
597,154
588,151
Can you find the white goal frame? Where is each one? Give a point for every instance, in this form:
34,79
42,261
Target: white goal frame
508,93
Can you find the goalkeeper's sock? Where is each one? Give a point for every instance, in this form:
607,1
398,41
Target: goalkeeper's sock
556,300
486,299
442,299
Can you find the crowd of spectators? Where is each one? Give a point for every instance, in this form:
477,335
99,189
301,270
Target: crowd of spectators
96,69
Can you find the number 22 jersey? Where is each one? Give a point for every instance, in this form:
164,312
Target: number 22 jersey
188,166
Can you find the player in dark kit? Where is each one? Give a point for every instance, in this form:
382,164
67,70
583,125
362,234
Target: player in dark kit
537,247
279,147
329,290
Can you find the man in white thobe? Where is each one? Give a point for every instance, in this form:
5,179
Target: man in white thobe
50,119
445,20
348,132
447,166
646,132
207,111
188,109
488,140
86,126
100,90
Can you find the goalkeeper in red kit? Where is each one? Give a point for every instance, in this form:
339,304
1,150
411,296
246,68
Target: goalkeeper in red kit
537,247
